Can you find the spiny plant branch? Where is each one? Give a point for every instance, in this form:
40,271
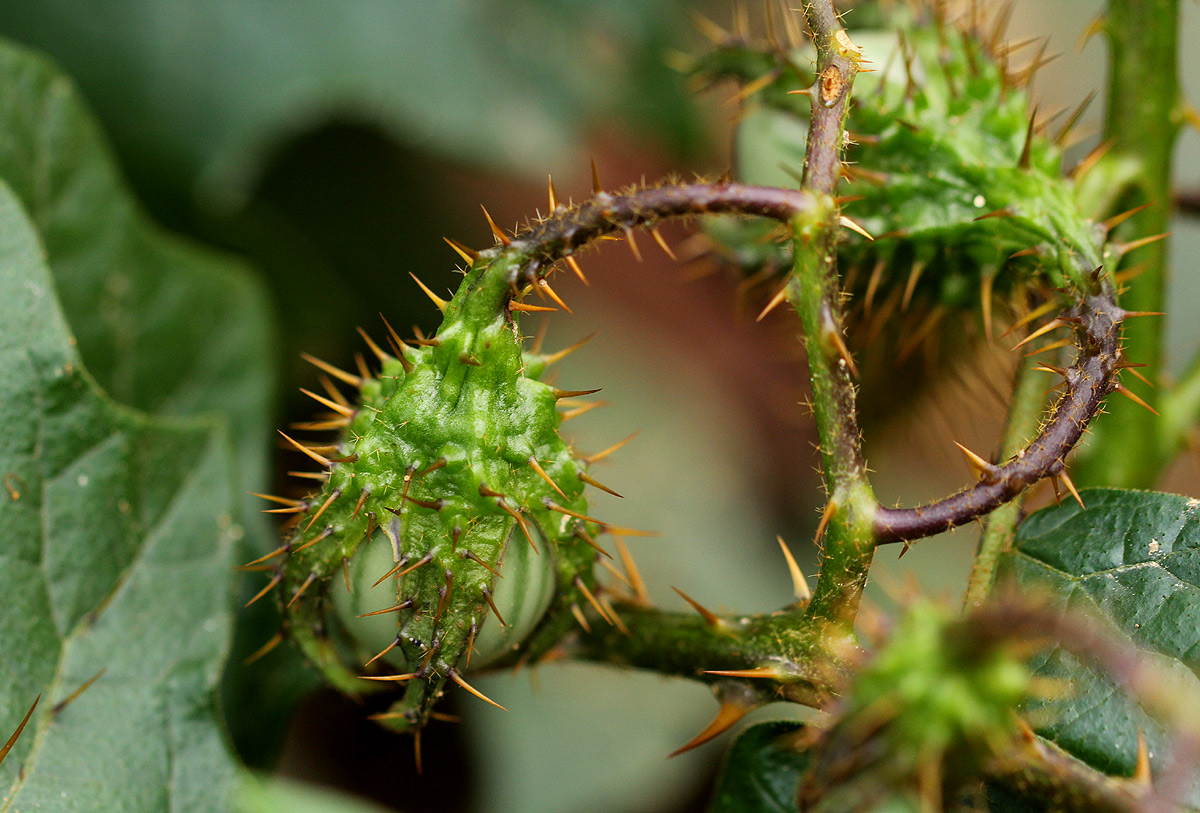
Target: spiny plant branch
1098,319
1024,415
814,289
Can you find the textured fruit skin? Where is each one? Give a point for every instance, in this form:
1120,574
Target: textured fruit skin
435,464
943,168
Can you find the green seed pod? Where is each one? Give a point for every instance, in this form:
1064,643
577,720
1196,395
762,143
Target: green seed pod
450,483
451,513
947,168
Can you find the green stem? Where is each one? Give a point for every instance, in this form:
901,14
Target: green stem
815,291
1142,120
1024,416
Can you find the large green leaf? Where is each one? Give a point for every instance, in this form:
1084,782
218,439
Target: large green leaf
762,771
1133,556
116,531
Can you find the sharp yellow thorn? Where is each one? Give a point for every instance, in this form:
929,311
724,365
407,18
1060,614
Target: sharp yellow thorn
324,461
844,351
1141,771
1118,219
710,618
586,537
312,541
592,482
275,580
581,618
826,515
514,305
726,717
383,652
87,684
582,410
854,227
799,583
299,509
1036,313
978,464
497,232
1032,251
574,266
553,506
633,246
437,300
1128,393
617,530
312,577
21,727
333,495
590,459
376,349
417,763
467,254
1090,160
1093,28
635,576
546,289
263,650
591,599
612,613
1052,346
552,193
566,351
1053,324
780,295
1125,248
273,498
758,672
750,88
266,556
395,608
340,375
1062,475
336,407
1135,314
658,238
985,303
596,187
911,285
537,467
520,521
618,575
361,363
560,394
309,475
389,678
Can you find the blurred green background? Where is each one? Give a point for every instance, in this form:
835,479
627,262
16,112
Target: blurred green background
334,143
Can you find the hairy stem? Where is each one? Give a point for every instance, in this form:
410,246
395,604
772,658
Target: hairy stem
1024,415
1142,120
814,289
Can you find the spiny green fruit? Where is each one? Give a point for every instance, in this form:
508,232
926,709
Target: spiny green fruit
920,720
451,463
947,168
449,484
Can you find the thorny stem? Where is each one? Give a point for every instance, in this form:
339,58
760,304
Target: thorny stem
1091,378
815,291
1024,415
1142,119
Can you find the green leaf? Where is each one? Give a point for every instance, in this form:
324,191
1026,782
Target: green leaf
164,325
283,796
762,771
1134,557
116,531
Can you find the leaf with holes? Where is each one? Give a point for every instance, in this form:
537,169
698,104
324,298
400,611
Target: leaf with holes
114,571
1134,557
